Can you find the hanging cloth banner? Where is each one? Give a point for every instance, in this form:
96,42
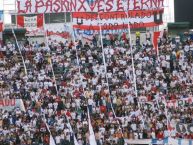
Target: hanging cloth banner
1,27
58,6
31,23
59,31
92,139
117,20
11,104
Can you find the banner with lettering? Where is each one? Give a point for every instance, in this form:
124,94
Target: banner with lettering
59,31
31,23
169,103
1,27
170,141
11,104
117,20
180,102
57,6
88,34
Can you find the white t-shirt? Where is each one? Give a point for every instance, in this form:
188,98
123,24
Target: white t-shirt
58,139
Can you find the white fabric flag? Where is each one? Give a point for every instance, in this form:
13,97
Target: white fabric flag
92,139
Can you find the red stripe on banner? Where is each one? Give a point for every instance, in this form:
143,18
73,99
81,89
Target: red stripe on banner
63,34
113,15
110,27
20,21
40,20
1,26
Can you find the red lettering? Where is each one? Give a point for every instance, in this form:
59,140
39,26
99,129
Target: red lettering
120,5
144,4
4,103
161,3
100,6
154,3
73,5
39,4
136,7
12,102
28,5
109,3
93,5
1,103
65,3
56,6
18,8
128,4
82,6
48,5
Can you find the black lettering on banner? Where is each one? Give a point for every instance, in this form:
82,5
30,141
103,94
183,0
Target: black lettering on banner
80,21
27,25
190,128
160,20
180,128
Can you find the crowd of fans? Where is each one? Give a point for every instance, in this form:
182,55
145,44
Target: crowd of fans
123,90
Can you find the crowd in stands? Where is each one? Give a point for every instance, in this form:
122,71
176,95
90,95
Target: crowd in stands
124,91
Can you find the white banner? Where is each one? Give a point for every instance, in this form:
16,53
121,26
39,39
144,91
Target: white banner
11,104
57,6
59,31
30,23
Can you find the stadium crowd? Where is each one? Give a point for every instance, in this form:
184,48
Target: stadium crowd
66,82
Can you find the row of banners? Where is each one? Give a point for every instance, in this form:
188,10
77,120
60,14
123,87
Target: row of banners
95,21
94,14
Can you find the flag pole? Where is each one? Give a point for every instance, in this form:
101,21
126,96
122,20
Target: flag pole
46,40
78,63
101,39
105,65
74,41
131,49
23,61
132,60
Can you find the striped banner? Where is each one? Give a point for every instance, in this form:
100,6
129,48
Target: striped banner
117,20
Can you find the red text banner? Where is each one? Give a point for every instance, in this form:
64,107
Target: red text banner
57,6
11,104
117,20
59,31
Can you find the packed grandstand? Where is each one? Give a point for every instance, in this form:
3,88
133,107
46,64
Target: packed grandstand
68,89
94,72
